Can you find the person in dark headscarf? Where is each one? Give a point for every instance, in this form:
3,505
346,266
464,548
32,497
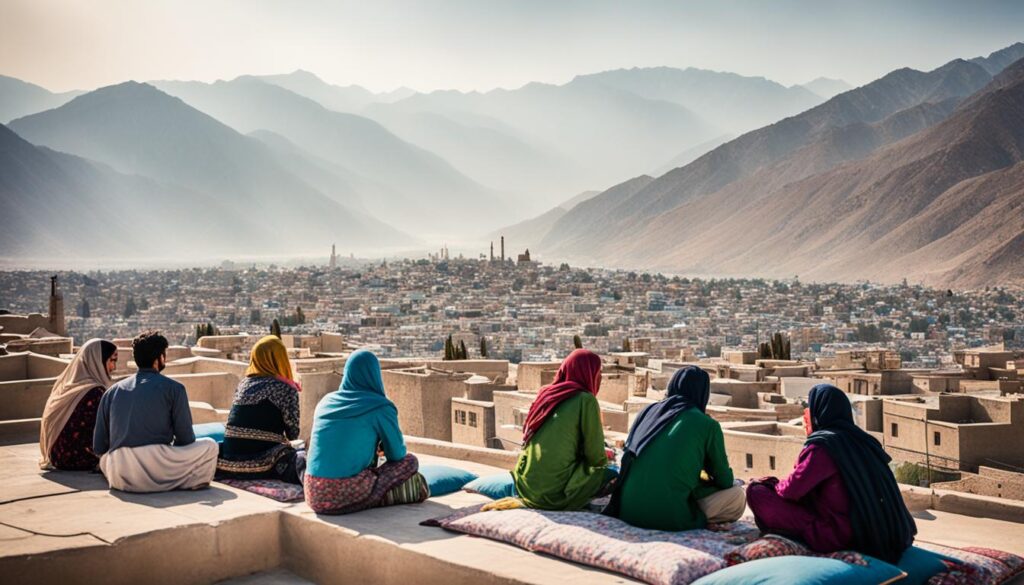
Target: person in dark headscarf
841,494
672,443
563,464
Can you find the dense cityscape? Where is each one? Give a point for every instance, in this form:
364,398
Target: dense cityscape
526,311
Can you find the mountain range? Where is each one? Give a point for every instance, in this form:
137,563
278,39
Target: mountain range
791,198
202,168
917,174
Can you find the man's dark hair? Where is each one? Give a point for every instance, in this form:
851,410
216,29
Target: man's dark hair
147,347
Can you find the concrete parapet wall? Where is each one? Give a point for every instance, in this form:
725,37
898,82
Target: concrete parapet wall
24,398
202,554
494,457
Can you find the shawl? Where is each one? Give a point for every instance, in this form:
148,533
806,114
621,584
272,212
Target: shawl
882,526
270,358
361,390
580,372
86,371
689,388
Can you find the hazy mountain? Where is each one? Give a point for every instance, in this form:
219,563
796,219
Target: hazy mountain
19,98
138,129
607,132
827,87
418,183
691,154
530,232
484,153
733,103
340,98
756,152
62,206
565,233
942,206
351,98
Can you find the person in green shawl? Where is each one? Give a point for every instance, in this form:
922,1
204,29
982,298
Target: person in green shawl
351,429
675,473
563,464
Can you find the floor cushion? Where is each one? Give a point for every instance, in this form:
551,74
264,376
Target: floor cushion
802,570
213,431
920,565
652,556
983,566
442,479
496,487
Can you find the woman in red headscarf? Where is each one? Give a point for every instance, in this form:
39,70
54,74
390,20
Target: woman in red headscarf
563,463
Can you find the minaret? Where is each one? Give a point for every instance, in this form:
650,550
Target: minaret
492,251
56,308
503,249
334,258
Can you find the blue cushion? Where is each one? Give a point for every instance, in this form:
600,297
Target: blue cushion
445,480
213,431
792,570
493,486
920,565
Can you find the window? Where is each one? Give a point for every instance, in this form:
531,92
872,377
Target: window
472,419
460,417
937,438
455,416
894,429
750,461
771,461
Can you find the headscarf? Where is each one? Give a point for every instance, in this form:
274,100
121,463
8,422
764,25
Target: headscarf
361,390
269,358
689,388
86,371
580,372
882,526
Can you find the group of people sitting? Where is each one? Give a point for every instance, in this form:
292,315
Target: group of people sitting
138,432
674,473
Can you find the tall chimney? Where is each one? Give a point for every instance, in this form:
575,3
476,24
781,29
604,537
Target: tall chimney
503,248
56,309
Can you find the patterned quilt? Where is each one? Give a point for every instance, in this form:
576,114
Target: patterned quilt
653,556
679,558
269,488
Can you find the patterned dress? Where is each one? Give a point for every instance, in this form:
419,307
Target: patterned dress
395,482
264,419
73,449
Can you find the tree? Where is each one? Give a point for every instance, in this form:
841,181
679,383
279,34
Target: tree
83,310
463,354
449,348
300,317
254,316
483,346
130,308
577,342
275,329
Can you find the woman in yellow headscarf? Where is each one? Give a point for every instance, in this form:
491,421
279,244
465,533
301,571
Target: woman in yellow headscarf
264,419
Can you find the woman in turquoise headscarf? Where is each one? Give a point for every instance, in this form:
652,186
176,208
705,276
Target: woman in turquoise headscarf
351,429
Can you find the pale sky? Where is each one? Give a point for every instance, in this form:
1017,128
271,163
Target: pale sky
482,44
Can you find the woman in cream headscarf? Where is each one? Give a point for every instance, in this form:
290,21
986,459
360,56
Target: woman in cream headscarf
65,434
264,419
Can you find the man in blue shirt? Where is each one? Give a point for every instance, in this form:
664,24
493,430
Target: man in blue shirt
144,429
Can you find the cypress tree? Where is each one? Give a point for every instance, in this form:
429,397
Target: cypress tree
577,342
275,329
483,347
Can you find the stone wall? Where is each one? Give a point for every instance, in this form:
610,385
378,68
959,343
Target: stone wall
473,422
762,449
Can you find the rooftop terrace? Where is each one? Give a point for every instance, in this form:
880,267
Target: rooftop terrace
61,527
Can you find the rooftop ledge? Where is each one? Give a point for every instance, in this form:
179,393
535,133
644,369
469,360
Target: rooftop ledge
62,527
